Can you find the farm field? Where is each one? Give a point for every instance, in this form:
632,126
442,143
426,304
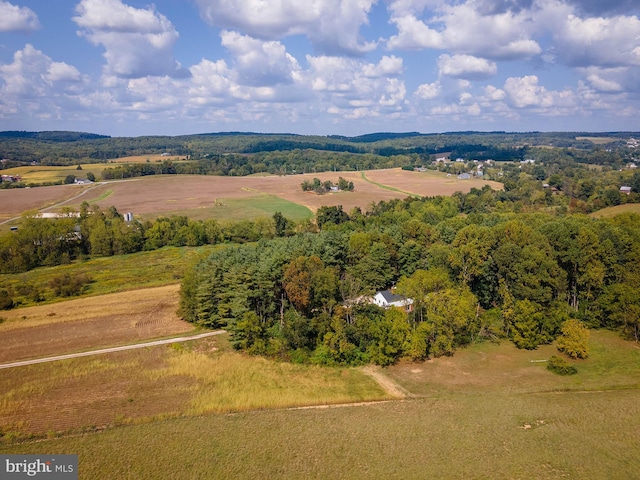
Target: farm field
149,158
89,323
191,193
15,201
46,173
599,140
456,426
234,198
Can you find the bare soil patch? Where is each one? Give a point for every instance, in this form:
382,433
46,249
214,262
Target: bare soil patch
91,322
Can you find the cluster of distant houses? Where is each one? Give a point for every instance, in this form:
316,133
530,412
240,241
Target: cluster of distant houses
478,172
10,178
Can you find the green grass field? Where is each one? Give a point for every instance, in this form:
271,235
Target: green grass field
458,425
114,274
250,208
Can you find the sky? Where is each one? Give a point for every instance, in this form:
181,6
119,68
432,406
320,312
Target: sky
325,67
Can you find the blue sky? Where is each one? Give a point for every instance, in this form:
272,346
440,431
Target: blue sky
349,67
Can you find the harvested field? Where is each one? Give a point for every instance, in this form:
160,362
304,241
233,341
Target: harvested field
166,194
426,184
92,322
17,200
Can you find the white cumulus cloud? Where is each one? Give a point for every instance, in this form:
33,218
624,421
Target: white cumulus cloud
331,25
17,19
36,85
258,62
137,42
466,66
463,28
429,91
605,42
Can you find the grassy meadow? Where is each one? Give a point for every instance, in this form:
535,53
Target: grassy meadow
113,274
249,208
455,426
611,212
139,386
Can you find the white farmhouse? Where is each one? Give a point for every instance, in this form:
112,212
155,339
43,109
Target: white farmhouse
387,299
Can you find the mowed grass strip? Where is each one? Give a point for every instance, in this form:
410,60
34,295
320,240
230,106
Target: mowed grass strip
199,377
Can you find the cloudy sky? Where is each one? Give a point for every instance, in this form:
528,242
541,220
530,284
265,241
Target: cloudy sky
129,67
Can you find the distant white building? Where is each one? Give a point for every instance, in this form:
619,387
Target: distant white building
626,190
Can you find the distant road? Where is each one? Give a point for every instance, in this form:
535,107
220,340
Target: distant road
112,349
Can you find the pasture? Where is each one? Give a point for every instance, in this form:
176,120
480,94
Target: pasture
458,424
137,386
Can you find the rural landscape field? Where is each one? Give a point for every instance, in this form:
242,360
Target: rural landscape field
228,198
224,331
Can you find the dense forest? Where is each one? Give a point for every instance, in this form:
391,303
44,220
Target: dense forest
489,273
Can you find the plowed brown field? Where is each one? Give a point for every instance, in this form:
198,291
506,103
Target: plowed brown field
164,194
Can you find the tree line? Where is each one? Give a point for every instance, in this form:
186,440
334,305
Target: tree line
95,232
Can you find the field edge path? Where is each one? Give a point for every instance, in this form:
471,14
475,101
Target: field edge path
111,349
389,386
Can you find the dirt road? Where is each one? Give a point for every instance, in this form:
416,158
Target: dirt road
111,349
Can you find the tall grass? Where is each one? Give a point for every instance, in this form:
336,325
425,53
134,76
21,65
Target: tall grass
235,382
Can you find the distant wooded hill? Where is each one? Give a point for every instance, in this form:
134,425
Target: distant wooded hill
68,148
